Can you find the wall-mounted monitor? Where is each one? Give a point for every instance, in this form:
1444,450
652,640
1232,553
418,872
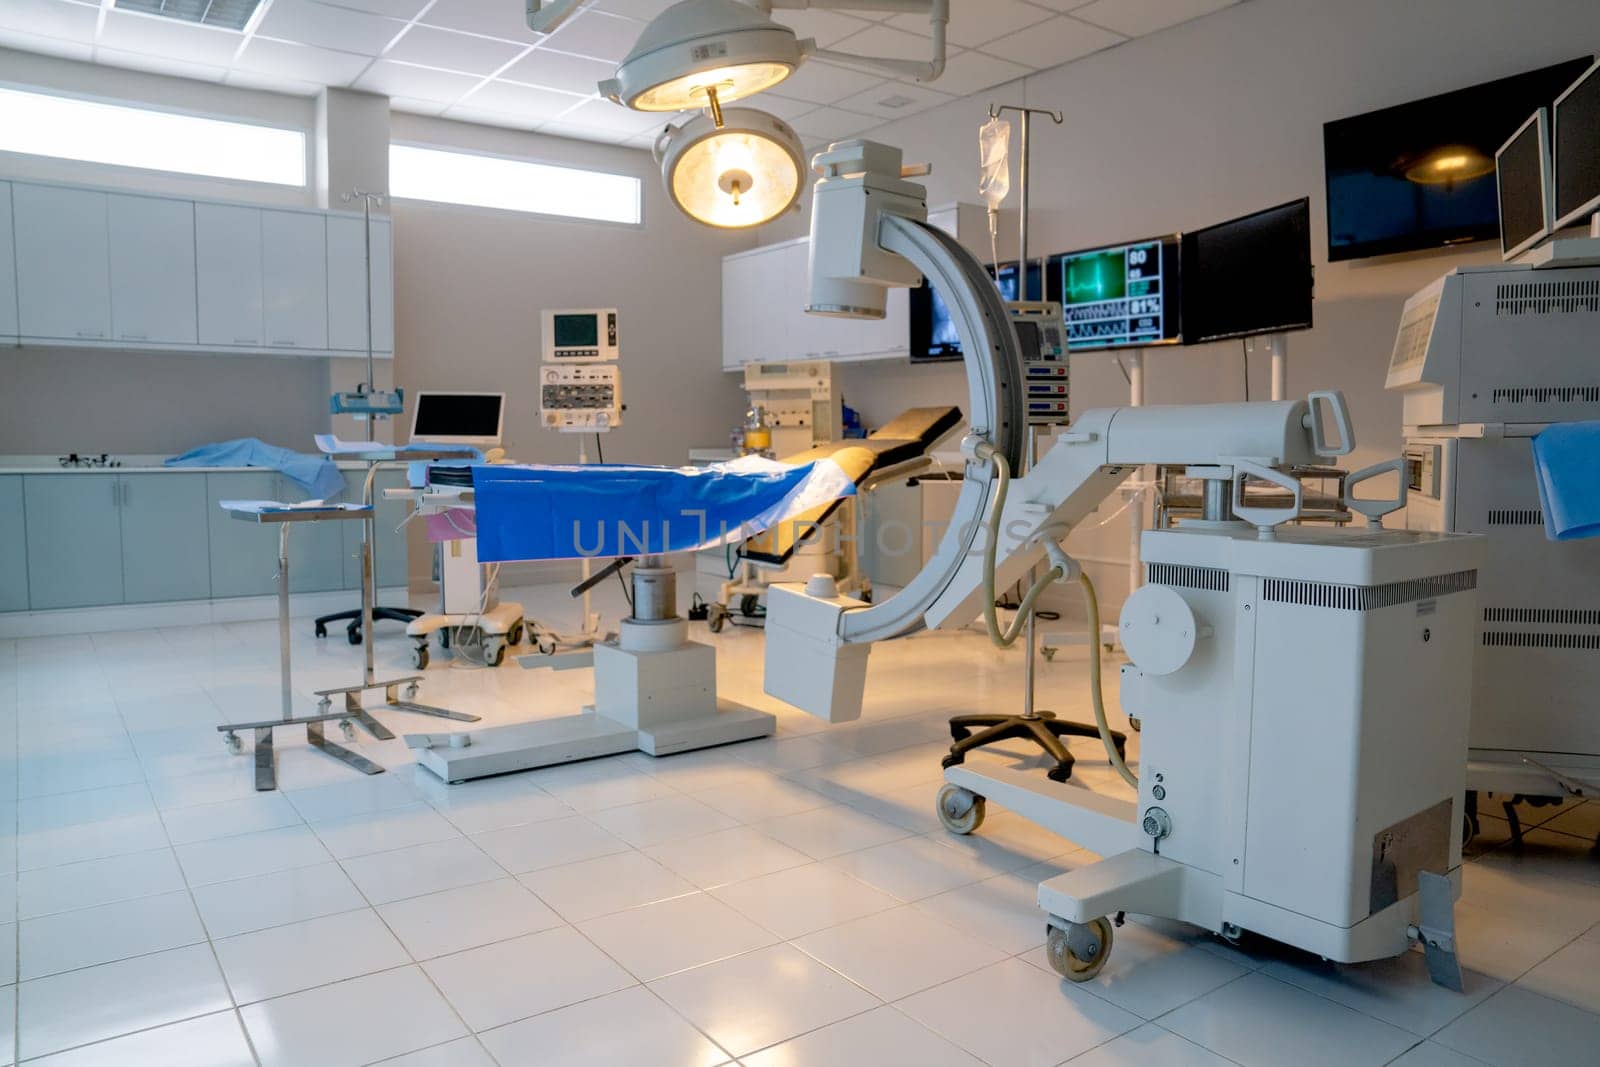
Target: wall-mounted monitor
1522,185
1250,275
1119,296
1575,140
1421,175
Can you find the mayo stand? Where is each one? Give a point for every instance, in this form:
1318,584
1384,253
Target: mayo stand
369,680
266,769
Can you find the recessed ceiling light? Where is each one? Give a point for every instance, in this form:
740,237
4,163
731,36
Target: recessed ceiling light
896,101
223,14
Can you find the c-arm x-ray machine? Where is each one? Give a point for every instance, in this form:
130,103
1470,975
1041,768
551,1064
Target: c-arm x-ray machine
1303,691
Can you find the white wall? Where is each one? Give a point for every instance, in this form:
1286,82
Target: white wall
1212,119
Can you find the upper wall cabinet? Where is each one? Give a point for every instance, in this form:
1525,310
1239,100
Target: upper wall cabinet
116,270
63,263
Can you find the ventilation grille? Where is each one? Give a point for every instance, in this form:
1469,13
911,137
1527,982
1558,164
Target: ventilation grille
1411,344
1548,616
1364,597
1513,639
1546,298
1516,517
223,14
1547,394
1185,577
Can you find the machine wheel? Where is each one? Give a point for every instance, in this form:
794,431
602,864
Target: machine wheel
444,637
234,745
960,810
324,704
749,604
419,656
514,635
353,635
1094,942
866,596
1048,652
411,691
347,728
717,619
321,631
494,653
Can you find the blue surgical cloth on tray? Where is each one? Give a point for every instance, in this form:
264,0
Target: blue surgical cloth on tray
605,510
317,475
1566,462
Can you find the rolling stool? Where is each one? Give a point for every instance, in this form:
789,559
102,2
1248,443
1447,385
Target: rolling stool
1040,727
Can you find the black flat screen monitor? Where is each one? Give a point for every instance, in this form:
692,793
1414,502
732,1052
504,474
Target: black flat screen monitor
1119,296
1576,146
1421,175
1248,276
1523,186
933,333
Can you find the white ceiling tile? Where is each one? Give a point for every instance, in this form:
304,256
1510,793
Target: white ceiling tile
823,83
833,124
413,106
1054,5
272,83
1052,43
1138,17
170,39
972,72
644,10
50,18
306,22
404,10
301,62
491,18
503,119
596,34
509,98
886,42
584,133
420,83
176,68
974,22
448,50
787,110
893,100
827,27
558,70
613,118
45,46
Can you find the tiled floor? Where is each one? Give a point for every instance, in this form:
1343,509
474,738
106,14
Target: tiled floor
784,902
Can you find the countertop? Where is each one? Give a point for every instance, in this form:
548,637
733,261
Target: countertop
131,465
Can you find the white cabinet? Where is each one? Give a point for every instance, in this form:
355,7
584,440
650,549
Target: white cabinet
294,273
8,267
228,263
63,263
347,274
152,270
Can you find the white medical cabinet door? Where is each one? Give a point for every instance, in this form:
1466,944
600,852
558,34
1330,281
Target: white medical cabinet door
347,274
8,266
228,259
63,263
294,271
152,270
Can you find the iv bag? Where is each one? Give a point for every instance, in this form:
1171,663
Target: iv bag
994,145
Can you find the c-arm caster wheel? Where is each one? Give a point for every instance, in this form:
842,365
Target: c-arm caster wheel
419,655
960,810
494,653
411,691
231,740
1078,952
514,635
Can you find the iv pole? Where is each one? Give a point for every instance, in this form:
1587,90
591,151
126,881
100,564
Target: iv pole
1031,449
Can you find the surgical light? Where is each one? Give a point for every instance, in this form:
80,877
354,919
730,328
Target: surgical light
699,53
743,171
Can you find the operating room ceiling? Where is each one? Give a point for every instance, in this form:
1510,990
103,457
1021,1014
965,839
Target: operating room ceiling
475,60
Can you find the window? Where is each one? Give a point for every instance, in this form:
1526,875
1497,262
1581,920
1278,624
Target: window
39,124
512,184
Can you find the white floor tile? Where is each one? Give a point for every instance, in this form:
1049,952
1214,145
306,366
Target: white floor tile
287,959
548,844
1252,1021
761,998
209,1041
1011,1015
913,868
896,953
767,798
830,830
8,960
57,845
873,1039
1398,991
226,859
1151,972
463,918
1571,975
1428,1054
726,856
599,784
230,818
352,796
587,1035
107,932
383,831
276,899
512,980
1003,910
360,1021
412,872
655,822
673,935
128,995
1147,1045
492,803
1516,1026
591,888
81,885
800,900
463,1052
